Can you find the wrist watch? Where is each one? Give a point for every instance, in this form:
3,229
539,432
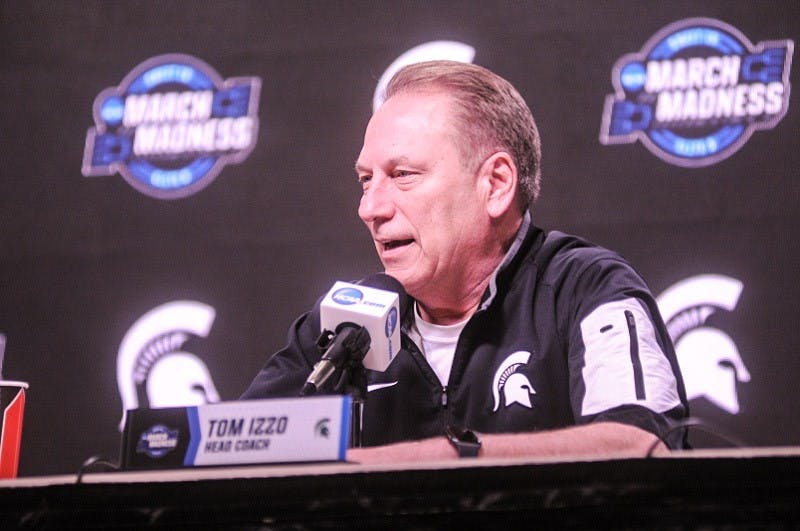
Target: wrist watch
463,440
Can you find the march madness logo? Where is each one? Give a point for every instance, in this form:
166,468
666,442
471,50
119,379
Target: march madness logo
171,126
696,92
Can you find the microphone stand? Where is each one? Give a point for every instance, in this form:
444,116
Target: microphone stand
355,379
352,345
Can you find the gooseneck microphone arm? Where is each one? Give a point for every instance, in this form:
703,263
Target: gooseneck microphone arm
348,345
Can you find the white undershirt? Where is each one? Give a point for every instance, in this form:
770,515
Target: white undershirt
439,344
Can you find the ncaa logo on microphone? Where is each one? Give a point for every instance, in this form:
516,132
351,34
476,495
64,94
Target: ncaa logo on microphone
391,322
347,296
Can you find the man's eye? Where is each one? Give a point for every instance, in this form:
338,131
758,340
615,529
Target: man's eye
363,180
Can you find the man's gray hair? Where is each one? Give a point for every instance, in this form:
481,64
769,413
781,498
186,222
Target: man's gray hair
490,113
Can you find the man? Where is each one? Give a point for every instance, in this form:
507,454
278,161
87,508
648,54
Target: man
544,344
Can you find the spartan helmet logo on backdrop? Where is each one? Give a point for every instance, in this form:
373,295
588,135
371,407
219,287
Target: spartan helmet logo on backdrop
152,371
708,357
429,51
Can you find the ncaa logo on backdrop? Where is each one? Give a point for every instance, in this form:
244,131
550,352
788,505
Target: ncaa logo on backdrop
171,126
697,91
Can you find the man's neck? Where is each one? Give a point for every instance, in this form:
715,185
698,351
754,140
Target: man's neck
446,316
463,300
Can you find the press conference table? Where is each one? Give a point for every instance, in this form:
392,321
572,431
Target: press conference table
751,488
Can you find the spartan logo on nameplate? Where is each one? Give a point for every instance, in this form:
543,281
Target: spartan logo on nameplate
171,125
152,369
323,428
709,359
697,91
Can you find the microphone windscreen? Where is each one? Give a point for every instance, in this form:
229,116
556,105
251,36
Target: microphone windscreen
387,283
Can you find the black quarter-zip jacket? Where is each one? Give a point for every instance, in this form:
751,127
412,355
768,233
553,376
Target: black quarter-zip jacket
567,333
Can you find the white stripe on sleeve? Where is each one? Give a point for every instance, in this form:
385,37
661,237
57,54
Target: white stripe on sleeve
619,350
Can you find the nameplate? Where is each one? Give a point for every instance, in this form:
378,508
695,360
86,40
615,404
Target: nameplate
280,430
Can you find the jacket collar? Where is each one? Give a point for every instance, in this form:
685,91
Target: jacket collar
529,237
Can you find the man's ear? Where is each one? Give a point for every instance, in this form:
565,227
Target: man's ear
500,180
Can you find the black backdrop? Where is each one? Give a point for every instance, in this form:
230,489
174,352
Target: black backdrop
84,257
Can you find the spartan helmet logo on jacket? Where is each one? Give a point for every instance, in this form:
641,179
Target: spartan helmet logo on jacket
510,386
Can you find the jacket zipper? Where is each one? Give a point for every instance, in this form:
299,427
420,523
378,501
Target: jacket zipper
417,353
638,376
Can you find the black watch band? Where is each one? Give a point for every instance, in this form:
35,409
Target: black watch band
463,440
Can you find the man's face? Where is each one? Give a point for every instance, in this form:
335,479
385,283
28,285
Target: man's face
423,207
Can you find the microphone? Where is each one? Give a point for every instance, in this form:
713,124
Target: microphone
360,322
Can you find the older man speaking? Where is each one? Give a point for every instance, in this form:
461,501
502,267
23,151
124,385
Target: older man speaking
518,342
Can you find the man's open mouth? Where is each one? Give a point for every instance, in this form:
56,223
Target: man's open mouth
394,244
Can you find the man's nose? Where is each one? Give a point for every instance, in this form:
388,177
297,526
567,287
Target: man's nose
377,201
